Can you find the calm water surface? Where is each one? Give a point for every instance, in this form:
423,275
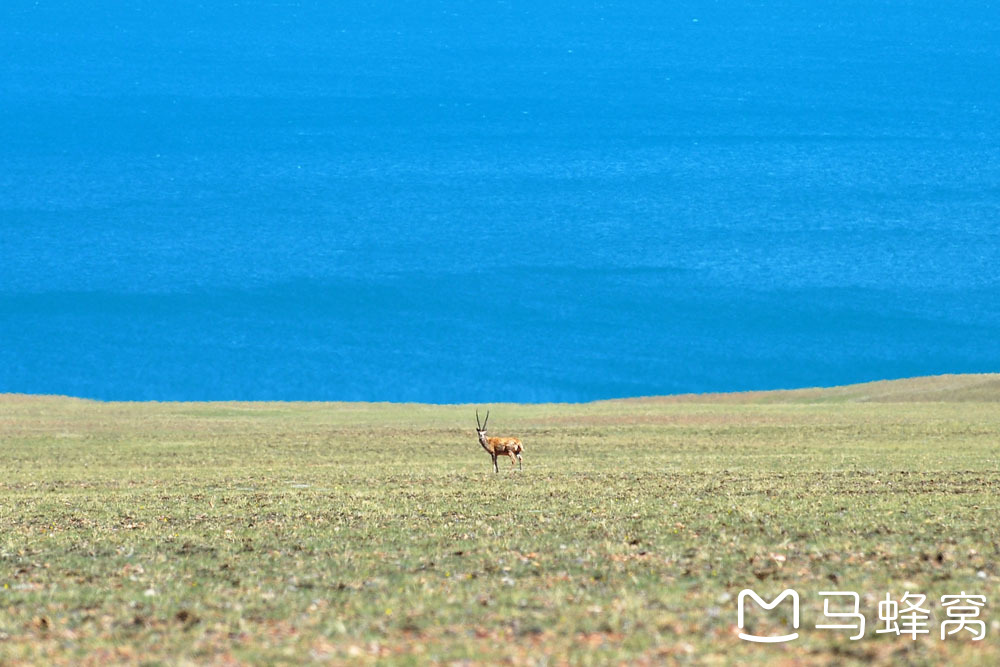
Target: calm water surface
487,201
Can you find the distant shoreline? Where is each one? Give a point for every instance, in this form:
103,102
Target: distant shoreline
958,387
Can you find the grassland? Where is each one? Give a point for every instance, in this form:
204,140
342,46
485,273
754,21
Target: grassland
350,533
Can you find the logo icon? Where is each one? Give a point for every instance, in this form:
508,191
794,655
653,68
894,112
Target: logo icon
788,592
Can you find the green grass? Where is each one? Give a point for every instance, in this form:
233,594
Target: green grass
271,532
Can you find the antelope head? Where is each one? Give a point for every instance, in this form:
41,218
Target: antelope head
481,429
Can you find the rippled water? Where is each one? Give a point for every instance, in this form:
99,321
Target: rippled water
453,202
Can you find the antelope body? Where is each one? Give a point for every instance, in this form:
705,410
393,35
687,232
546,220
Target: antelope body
495,447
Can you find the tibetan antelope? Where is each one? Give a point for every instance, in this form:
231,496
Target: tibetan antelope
495,447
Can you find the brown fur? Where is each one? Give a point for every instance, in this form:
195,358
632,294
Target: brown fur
495,447
508,446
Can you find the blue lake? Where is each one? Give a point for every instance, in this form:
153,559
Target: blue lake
495,201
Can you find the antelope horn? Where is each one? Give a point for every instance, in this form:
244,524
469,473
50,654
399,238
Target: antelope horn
486,420
478,425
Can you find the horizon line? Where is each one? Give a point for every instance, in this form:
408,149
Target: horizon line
679,397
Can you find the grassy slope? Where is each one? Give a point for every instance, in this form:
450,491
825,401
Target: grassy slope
349,532
978,387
